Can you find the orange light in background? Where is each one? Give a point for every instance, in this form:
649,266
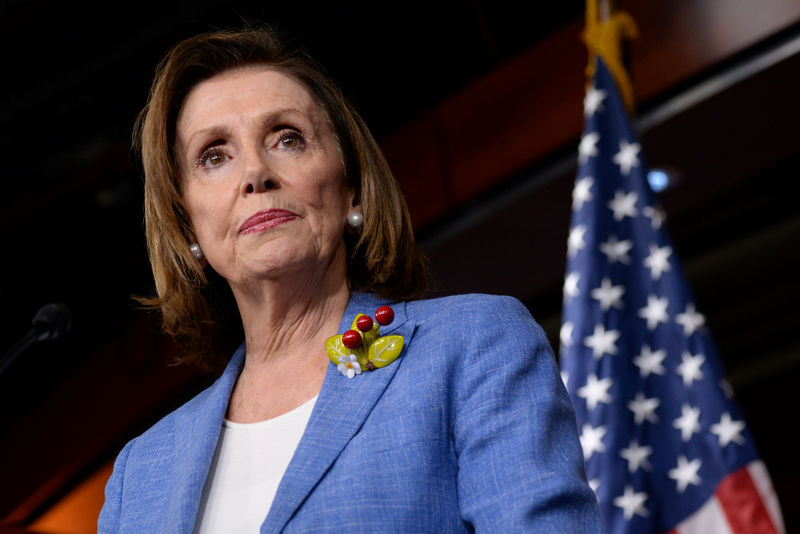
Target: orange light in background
77,512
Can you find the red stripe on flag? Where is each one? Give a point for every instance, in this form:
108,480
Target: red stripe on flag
742,504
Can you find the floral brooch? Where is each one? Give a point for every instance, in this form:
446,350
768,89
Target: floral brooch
362,347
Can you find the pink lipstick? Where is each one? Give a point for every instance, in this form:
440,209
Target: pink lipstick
264,220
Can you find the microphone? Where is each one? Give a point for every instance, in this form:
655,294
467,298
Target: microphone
51,322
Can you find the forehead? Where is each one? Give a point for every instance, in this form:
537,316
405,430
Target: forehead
244,92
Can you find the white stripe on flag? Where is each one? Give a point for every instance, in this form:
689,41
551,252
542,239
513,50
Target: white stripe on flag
710,518
760,476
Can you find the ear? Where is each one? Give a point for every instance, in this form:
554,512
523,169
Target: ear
353,202
352,199
196,251
354,218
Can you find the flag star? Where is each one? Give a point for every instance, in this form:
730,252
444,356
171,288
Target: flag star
650,362
624,205
655,312
575,240
595,391
686,473
689,368
690,319
581,192
689,422
593,101
637,456
565,334
602,341
571,284
565,378
627,157
608,295
617,250
594,484
588,146
592,440
632,503
655,215
644,409
658,260
728,430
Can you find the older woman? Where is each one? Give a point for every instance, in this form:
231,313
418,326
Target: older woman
271,214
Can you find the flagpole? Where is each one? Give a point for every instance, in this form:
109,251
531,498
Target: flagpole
604,10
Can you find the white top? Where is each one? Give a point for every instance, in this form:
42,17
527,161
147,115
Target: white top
248,465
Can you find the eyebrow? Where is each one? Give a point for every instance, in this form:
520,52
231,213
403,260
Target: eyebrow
269,118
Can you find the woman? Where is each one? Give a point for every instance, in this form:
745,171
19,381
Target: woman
263,184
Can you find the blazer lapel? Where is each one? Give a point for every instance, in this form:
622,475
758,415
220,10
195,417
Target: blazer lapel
195,446
341,408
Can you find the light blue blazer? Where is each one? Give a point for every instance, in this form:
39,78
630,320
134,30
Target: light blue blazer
469,430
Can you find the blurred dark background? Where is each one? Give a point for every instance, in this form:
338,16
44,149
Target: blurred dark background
478,107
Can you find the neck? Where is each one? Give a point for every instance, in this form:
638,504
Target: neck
286,322
291,315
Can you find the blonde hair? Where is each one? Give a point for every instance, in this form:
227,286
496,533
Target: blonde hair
195,303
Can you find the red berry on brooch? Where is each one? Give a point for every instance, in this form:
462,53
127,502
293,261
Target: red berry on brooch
364,323
351,339
384,315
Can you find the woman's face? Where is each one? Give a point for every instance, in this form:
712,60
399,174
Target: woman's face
263,181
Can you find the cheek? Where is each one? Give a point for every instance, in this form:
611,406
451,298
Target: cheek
325,191
206,212
336,188
335,207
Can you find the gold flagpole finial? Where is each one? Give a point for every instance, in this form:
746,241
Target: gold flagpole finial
604,33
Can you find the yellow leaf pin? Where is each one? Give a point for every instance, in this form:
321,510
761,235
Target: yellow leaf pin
362,347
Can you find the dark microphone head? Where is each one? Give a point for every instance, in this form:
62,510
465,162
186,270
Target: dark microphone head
52,321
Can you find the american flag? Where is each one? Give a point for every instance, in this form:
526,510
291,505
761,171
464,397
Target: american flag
666,448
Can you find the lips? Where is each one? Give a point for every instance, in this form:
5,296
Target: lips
264,220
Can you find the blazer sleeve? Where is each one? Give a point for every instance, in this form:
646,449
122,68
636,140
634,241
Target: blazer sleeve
109,520
519,457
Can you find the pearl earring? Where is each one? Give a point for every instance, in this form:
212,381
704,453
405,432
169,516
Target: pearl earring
355,221
196,251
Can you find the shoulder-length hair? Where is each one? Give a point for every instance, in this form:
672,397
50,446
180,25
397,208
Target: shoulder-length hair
196,305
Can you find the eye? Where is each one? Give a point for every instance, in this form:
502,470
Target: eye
212,157
291,138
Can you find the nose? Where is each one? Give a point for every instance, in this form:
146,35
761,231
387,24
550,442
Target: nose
258,177
258,186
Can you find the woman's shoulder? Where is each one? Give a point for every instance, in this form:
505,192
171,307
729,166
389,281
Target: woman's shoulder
476,325
469,310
